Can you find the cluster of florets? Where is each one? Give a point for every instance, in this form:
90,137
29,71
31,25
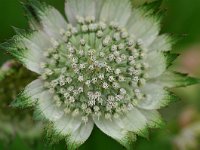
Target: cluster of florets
96,69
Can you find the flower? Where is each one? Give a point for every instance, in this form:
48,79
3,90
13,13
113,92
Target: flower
107,65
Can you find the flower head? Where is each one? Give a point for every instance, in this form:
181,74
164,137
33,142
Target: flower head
107,65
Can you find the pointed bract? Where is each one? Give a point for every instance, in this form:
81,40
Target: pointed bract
145,28
172,79
116,11
157,64
117,132
79,8
30,95
77,138
161,43
156,97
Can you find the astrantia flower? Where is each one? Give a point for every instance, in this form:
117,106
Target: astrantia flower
105,65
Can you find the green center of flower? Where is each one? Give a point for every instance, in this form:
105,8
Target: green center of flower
96,69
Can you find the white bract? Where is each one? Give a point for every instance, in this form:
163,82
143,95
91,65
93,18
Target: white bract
107,65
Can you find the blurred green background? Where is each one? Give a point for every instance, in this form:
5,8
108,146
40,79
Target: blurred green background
182,19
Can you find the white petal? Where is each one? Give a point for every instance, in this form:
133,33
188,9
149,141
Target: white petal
52,22
99,5
153,117
118,11
78,137
110,128
156,97
133,121
34,44
67,124
161,43
157,64
83,8
30,94
34,88
37,41
33,66
115,129
143,27
47,107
